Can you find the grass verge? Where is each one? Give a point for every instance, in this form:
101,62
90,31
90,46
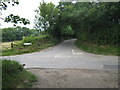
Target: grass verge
98,49
38,43
15,76
27,49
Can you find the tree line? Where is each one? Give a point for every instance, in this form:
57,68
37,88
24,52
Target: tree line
17,33
97,23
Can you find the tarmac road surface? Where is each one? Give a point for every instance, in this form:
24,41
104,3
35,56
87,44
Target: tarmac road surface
65,55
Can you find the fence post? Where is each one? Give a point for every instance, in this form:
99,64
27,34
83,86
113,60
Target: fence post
12,45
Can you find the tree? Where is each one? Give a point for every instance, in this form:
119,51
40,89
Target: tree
91,22
12,18
67,31
46,17
17,33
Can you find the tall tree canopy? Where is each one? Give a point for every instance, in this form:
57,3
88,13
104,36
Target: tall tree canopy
91,22
47,14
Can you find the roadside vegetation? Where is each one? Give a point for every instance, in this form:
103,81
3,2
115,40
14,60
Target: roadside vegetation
15,76
98,49
96,25
38,43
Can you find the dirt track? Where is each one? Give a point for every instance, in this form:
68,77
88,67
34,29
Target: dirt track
75,78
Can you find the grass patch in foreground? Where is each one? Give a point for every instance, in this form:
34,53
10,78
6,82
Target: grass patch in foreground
15,76
98,49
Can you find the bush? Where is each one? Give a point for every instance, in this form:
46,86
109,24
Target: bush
33,39
11,67
68,31
14,75
101,36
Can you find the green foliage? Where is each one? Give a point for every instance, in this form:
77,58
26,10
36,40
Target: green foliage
16,19
108,36
68,31
38,43
98,49
93,22
46,17
15,76
96,23
13,34
11,67
12,18
34,40
102,36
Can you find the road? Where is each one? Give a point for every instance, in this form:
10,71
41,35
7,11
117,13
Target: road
65,55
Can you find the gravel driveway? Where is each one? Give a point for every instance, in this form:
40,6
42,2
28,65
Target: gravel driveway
75,78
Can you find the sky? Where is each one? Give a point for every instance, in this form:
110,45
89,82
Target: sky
25,9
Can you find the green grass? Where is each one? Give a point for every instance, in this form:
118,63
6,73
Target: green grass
15,76
98,49
27,49
38,43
